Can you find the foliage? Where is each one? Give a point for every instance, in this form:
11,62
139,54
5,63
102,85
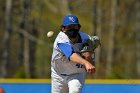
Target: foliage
48,15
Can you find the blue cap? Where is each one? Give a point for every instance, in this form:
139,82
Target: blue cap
70,19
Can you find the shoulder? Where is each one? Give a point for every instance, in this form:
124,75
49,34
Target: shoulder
84,36
62,37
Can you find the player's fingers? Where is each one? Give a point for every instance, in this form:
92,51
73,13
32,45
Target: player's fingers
94,70
90,70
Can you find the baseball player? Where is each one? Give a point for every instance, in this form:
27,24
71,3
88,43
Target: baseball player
71,57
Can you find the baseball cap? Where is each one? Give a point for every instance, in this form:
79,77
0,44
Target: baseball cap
70,19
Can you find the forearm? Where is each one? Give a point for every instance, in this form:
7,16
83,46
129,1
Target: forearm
88,56
78,59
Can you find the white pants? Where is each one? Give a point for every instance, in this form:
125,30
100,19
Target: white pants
68,84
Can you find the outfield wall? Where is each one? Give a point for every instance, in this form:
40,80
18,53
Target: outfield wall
91,86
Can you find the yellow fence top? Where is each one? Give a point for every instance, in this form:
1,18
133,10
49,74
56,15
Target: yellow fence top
88,81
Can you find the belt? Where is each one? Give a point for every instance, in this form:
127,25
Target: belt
64,75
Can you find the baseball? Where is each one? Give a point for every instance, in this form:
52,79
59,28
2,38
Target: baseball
50,34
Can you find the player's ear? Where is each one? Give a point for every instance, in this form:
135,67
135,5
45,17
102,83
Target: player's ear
62,28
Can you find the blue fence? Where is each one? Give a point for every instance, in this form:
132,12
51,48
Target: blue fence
91,86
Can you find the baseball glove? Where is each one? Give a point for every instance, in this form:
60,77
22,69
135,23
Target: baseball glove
91,44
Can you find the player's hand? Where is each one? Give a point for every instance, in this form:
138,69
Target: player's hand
89,64
89,67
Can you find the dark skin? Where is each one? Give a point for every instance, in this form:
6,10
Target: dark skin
87,60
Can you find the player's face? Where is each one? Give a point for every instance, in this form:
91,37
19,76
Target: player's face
72,31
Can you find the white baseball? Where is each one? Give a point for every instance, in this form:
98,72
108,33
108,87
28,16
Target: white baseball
50,34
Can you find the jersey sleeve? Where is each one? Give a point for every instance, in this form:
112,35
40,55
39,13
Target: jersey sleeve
64,45
84,36
85,40
66,49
